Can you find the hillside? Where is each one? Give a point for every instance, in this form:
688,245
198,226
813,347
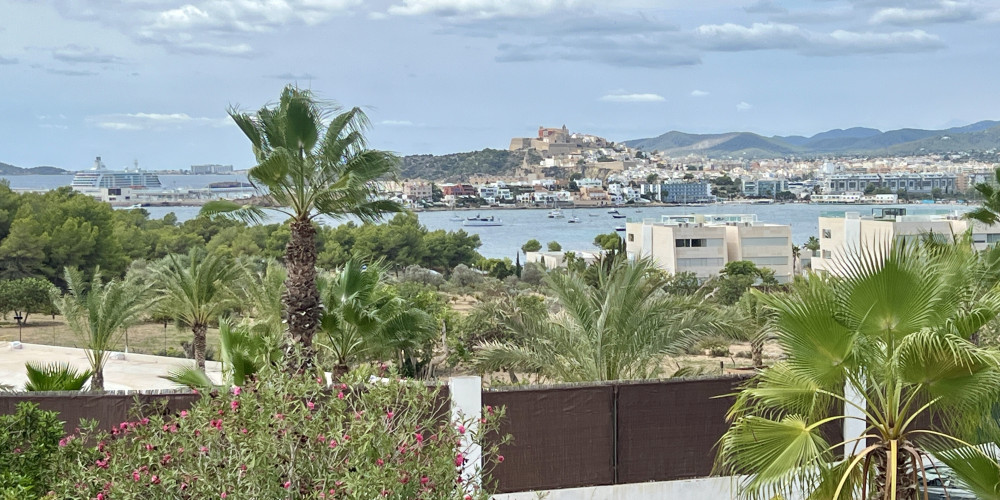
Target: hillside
980,136
6,169
459,166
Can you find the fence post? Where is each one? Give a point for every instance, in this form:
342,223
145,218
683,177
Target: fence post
467,405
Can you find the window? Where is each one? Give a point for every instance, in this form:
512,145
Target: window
769,261
826,233
765,242
631,237
827,254
699,262
691,242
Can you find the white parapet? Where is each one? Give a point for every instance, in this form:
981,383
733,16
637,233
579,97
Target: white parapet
467,406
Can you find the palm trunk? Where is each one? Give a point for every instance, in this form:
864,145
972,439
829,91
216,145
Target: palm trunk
906,488
199,331
97,380
301,298
757,352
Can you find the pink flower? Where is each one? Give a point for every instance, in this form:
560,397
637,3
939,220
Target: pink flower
149,447
424,480
467,497
279,416
243,430
203,449
461,429
155,479
287,484
184,413
234,405
340,395
389,414
404,479
489,409
135,476
459,459
319,380
333,443
321,438
310,405
100,496
237,390
223,495
419,437
500,458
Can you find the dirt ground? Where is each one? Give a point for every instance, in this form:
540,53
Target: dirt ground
146,338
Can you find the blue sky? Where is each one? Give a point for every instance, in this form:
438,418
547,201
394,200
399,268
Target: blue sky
151,79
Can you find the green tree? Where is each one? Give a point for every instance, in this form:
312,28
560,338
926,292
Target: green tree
895,330
311,167
812,244
364,319
620,329
684,283
608,241
531,245
24,296
99,314
244,354
989,213
195,290
554,246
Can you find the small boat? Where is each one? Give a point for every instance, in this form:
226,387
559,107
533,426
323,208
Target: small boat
617,215
482,221
619,228
593,215
137,205
556,214
613,211
574,220
456,218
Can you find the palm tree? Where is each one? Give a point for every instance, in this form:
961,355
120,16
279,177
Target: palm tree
753,325
100,314
989,213
619,327
195,289
812,244
364,319
895,331
54,377
309,167
244,354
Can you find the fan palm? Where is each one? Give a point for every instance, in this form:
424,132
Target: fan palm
54,377
309,167
619,327
989,213
894,332
195,289
364,319
244,354
100,313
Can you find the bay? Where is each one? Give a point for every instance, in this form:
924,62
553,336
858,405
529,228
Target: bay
521,225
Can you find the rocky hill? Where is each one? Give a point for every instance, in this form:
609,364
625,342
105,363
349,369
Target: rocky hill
6,169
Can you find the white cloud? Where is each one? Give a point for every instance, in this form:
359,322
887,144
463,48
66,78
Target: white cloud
396,123
623,97
698,93
947,12
744,106
74,53
480,9
775,36
154,121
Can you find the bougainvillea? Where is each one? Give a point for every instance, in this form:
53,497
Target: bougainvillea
285,437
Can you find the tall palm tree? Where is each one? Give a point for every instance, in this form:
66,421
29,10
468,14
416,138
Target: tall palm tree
307,167
989,213
100,313
620,326
895,331
195,289
364,319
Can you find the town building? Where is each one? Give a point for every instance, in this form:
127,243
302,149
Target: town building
764,188
211,169
418,191
841,233
686,192
704,244
925,182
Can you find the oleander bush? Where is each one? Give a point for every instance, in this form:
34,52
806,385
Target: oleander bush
29,440
285,437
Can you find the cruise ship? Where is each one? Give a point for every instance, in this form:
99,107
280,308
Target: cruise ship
100,178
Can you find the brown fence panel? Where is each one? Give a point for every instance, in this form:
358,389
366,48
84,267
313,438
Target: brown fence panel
562,438
108,409
668,429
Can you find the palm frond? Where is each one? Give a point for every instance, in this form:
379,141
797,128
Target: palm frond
231,210
55,377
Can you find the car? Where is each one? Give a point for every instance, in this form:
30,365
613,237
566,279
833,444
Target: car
941,485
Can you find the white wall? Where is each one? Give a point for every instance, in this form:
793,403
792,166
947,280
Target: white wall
709,488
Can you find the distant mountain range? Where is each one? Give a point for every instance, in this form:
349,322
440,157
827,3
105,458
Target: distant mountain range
6,169
980,136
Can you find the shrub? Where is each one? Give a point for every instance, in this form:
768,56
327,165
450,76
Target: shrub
418,274
284,437
29,440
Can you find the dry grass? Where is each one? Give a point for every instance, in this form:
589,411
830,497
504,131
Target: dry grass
144,338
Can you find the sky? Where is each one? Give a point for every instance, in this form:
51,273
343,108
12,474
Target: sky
152,80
